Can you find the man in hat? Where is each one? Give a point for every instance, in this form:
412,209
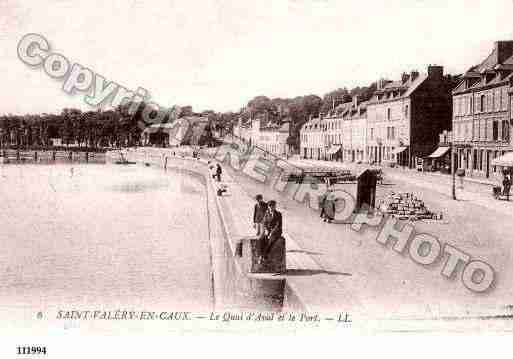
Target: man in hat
258,214
273,228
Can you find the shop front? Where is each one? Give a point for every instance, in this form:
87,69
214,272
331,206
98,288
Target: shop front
439,160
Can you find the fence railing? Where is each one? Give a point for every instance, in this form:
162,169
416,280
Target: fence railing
32,156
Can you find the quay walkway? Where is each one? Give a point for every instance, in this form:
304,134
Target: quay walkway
333,269
309,287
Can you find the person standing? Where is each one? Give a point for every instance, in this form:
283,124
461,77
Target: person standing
329,206
322,205
273,227
219,171
259,214
506,184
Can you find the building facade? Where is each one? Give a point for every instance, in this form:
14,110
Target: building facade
482,105
271,138
313,139
354,148
405,117
187,130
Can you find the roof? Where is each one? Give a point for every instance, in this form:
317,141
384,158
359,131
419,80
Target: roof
491,65
179,128
408,87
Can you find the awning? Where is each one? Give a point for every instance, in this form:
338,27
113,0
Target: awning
439,152
333,150
505,160
399,150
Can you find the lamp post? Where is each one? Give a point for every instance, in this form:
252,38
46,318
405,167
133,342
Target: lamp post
453,169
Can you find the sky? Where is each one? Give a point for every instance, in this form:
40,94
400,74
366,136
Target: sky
218,54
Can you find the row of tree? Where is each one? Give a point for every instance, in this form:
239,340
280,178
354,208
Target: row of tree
91,129
119,127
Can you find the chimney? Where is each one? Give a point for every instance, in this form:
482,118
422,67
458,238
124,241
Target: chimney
404,78
435,71
503,50
413,75
355,101
381,83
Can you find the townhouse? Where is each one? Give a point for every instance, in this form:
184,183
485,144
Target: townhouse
405,117
355,131
313,139
271,138
333,135
340,135
482,112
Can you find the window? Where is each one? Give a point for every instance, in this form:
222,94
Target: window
389,113
495,131
406,111
372,133
482,104
505,131
470,104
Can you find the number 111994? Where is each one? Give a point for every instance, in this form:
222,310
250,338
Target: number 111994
30,350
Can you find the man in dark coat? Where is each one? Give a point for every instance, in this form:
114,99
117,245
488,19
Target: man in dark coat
273,227
219,171
258,214
506,184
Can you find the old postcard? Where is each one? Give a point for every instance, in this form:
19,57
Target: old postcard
280,168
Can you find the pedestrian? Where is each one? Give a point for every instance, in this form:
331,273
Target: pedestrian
329,206
506,184
273,225
219,171
322,205
259,214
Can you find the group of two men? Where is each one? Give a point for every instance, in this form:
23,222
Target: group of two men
268,224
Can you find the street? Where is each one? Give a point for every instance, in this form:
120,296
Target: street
389,284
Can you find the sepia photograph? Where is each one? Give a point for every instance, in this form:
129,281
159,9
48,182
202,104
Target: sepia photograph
277,168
